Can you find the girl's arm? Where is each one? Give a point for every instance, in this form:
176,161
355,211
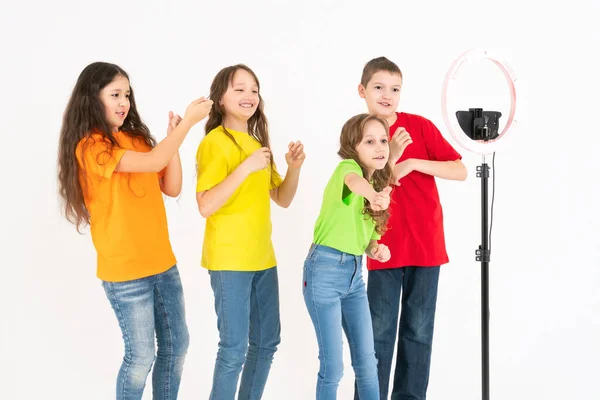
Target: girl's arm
210,201
284,193
170,183
359,185
378,251
156,159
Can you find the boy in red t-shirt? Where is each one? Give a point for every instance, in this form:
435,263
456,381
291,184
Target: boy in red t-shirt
415,236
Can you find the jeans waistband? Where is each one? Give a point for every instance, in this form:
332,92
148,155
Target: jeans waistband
319,248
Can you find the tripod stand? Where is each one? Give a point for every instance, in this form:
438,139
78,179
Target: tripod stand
483,256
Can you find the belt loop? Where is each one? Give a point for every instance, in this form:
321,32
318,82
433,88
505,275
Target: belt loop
312,249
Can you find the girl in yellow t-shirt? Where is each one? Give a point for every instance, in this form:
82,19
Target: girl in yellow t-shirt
111,176
236,181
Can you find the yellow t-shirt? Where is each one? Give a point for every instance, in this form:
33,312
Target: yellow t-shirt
128,221
238,236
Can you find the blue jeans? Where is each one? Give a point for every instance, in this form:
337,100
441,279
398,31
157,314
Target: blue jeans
247,307
336,299
418,286
149,307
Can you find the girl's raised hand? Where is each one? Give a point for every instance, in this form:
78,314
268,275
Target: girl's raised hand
295,155
174,120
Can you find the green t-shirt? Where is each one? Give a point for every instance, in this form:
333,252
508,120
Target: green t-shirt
341,223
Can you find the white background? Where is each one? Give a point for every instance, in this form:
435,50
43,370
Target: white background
59,337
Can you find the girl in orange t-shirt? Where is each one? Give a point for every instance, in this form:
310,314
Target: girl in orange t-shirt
112,175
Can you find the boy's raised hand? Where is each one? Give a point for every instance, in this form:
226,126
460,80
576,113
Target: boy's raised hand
295,155
398,144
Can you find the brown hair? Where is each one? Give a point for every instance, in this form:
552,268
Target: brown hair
376,65
83,116
258,126
352,135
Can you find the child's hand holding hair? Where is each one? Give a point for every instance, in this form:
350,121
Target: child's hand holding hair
197,110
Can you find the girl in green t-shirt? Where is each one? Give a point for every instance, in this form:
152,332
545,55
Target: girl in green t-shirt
352,218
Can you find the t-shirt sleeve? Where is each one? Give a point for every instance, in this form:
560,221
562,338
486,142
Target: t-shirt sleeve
438,149
375,235
276,178
99,157
212,165
338,191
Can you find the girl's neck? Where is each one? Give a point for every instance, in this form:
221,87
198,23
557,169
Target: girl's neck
235,124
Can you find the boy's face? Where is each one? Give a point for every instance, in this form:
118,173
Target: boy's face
382,93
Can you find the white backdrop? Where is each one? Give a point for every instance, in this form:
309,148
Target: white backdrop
60,339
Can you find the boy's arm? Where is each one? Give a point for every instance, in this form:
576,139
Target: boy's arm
453,170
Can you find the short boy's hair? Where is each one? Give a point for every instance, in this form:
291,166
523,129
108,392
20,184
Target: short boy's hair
376,65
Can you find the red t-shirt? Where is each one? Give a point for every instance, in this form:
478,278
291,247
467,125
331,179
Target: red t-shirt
415,234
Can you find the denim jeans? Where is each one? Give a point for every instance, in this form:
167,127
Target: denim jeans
247,307
147,308
418,286
336,299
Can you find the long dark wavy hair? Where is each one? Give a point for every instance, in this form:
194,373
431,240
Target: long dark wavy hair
258,126
352,135
84,116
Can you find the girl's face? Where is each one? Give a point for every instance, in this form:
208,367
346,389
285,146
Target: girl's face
115,98
374,150
241,100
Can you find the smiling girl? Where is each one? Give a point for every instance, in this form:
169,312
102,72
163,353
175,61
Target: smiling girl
237,179
111,176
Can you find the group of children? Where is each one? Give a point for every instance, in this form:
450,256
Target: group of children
381,200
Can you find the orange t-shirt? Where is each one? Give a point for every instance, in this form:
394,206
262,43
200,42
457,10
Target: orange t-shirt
128,221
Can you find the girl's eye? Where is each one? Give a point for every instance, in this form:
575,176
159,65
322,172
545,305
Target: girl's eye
369,141
255,91
384,141
238,90
396,90
377,87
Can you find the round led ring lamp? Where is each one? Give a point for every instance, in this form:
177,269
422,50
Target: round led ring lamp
483,138
477,146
